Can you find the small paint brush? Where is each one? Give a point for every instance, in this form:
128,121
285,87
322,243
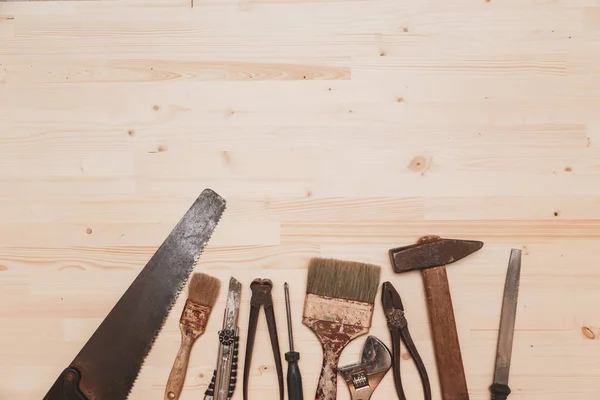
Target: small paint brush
202,296
338,308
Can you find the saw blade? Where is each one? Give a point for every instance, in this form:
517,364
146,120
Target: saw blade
112,358
507,318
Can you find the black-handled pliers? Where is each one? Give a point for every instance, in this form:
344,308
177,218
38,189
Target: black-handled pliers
261,296
396,321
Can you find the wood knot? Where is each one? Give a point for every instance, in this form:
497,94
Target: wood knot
568,169
419,164
155,107
399,99
405,30
88,231
406,356
131,132
588,333
226,157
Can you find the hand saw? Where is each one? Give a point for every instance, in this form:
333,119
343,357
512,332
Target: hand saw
108,364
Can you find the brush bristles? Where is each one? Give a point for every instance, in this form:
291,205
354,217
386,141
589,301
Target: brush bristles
204,289
343,279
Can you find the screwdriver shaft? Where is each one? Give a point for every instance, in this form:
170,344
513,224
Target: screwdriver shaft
294,379
286,288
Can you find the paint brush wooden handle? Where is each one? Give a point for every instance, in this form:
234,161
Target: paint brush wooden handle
203,293
327,389
177,376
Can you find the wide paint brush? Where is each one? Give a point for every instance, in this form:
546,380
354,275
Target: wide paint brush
338,307
202,296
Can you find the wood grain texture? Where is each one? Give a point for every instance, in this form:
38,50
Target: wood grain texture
335,128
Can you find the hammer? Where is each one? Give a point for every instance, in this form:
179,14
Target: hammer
431,254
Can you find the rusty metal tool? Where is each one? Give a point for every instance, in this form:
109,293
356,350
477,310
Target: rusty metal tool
261,297
500,389
222,384
396,321
430,255
108,364
363,377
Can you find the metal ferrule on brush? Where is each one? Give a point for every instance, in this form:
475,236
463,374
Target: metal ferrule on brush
342,312
194,317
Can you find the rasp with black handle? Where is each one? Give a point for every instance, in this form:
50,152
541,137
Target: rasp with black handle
500,389
108,364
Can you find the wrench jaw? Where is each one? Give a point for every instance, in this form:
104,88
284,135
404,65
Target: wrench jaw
363,377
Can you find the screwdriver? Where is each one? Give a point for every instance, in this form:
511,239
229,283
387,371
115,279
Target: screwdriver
294,380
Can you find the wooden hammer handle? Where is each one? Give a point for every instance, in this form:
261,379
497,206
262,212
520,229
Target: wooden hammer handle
177,376
445,337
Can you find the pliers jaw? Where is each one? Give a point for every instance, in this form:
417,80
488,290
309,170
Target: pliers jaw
261,296
392,307
390,297
261,293
394,314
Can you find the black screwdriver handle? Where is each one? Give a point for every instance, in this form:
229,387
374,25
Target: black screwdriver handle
294,379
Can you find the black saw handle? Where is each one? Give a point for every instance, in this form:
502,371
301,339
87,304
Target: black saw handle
66,386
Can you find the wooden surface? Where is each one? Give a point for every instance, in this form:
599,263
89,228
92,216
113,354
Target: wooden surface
336,128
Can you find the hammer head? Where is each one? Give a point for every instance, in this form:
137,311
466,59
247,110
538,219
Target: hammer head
431,251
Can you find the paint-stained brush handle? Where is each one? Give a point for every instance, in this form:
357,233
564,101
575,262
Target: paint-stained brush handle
327,389
177,376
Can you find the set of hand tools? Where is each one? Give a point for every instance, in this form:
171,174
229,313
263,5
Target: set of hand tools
338,307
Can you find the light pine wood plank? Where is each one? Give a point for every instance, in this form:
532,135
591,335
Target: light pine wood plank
333,128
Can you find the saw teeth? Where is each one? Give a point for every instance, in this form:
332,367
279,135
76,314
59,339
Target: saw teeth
170,306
